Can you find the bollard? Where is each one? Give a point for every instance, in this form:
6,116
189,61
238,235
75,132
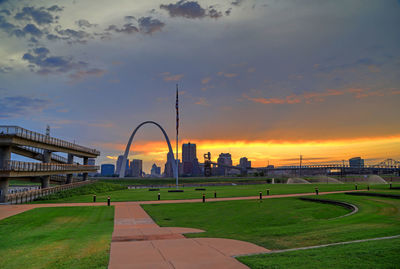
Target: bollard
368,187
355,186
204,198
108,200
94,198
159,196
260,195
267,192
316,191
390,186
215,194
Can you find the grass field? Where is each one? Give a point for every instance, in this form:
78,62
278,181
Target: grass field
222,191
62,237
373,254
183,181
285,222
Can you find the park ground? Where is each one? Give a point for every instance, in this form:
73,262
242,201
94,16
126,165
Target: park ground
80,237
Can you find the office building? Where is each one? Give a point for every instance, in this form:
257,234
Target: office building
119,162
224,159
136,168
107,170
189,160
155,170
356,162
244,163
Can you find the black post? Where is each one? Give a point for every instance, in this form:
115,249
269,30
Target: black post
368,187
94,198
159,196
204,198
390,186
215,194
316,191
355,186
260,195
108,200
267,192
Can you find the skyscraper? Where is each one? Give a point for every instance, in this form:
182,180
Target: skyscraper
356,162
119,162
136,168
92,161
189,158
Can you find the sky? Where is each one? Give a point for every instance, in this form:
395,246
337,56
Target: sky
269,80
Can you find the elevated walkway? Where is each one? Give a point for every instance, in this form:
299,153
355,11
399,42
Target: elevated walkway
52,168
17,136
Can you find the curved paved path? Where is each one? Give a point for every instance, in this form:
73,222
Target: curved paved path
138,242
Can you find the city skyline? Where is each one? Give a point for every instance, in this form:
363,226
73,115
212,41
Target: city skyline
267,80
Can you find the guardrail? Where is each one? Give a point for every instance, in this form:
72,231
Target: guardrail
34,136
19,166
41,151
27,196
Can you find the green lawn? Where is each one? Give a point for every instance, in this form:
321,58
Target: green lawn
62,237
222,191
285,222
372,254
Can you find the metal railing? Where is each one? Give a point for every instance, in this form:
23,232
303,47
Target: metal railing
34,136
31,195
18,166
41,151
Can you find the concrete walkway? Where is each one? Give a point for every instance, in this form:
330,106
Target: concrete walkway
138,242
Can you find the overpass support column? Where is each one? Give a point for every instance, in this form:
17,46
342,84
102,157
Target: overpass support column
46,159
70,161
85,162
5,156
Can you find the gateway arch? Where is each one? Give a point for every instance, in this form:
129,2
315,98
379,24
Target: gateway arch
170,155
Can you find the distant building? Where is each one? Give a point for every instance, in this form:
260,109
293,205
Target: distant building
188,159
244,163
136,168
92,161
107,170
356,162
119,162
155,170
168,168
224,159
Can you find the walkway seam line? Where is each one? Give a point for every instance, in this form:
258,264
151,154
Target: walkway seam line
326,245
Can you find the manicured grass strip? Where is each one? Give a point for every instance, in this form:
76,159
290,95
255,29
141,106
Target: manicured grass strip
284,223
191,193
90,189
62,237
371,254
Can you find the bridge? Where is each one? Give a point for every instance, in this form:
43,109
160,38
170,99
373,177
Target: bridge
40,147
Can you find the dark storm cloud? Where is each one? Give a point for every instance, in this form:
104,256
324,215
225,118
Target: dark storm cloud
190,10
55,8
18,106
84,23
237,2
73,36
127,28
147,25
39,15
129,18
33,30
40,59
6,12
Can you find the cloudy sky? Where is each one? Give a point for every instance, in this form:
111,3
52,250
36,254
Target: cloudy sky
269,80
